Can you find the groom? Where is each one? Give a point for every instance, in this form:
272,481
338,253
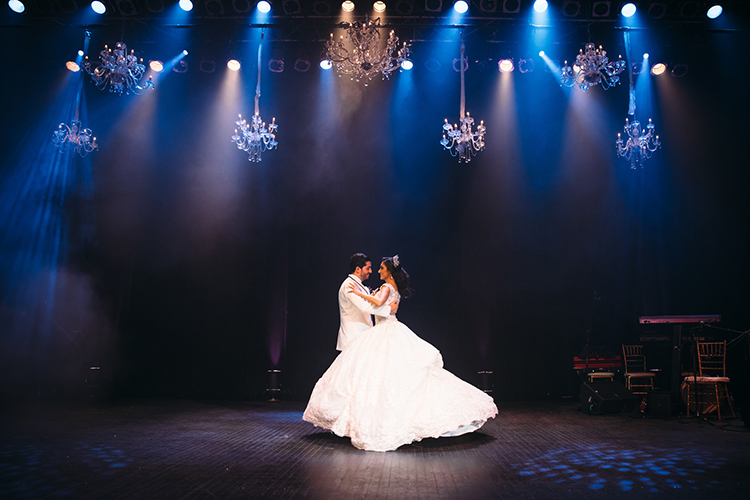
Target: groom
355,311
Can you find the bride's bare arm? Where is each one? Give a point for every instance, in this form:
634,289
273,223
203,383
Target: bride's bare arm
379,298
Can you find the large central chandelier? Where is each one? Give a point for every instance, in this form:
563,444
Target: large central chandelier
255,137
640,144
118,70
461,140
364,59
592,68
75,137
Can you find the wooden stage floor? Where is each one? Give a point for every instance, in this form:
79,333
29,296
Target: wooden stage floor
204,449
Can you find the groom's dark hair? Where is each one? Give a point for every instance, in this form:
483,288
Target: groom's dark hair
358,260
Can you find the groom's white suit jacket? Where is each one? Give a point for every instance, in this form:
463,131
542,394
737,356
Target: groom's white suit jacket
355,312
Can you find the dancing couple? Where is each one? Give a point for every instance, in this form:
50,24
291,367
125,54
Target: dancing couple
388,387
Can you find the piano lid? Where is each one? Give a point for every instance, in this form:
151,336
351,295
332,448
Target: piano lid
704,318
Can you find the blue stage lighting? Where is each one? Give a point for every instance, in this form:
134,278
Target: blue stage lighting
628,10
16,6
186,5
541,53
461,6
80,53
712,13
407,65
98,7
326,64
184,52
264,6
540,5
645,55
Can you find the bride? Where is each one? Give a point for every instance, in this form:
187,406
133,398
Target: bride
388,387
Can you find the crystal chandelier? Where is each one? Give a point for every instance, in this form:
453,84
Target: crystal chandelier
592,68
75,137
121,71
365,60
255,137
640,144
460,140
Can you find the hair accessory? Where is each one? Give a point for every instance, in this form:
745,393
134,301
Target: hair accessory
395,261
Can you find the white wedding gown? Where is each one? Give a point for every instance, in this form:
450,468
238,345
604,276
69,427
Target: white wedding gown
388,388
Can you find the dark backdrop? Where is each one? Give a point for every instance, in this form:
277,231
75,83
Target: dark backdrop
183,270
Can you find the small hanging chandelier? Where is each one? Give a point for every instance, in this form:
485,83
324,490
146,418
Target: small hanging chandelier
118,70
255,137
592,68
640,144
365,60
75,137
461,140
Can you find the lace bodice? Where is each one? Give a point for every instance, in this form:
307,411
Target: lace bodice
392,296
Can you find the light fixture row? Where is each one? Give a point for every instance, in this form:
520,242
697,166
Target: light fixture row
628,9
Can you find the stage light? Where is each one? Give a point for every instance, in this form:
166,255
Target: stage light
505,65
407,64
378,6
715,11
16,6
72,66
186,5
264,7
541,53
348,6
326,64
157,66
680,70
658,69
461,6
98,7
234,65
645,55
526,65
184,52
80,53
628,10
540,5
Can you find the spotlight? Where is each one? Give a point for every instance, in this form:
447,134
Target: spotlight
241,6
234,65
292,7
488,6
321,8
461,6
325,64
184,52
80,53
511,6
541,53
72,66
679,70
505,65
600,9
405,7
378,6
526,65
264,7
302,65
628,10
347,6
715,11
657,10
645,55
157,66
407,64
432,65
276,65
213,7
206,66
433,5
540,5
98,7
16,6
571,8
186,5
658,68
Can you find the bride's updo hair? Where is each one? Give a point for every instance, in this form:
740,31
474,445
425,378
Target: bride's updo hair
400,276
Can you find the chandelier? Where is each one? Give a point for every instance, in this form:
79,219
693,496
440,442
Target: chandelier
74,137
365,60
640,144
121,71
461,140
592,68
255,137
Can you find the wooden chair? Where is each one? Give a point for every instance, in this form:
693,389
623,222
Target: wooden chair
637,377
711,382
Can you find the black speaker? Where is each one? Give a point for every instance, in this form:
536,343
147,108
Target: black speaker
606,397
